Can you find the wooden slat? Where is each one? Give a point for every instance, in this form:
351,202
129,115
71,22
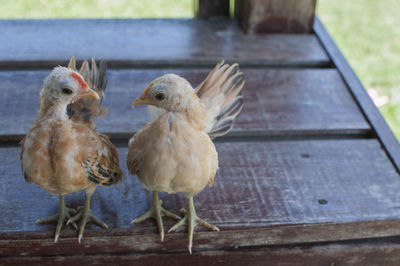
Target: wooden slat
46,43
212,8
277,102
265,193
276,16
381,252
369,109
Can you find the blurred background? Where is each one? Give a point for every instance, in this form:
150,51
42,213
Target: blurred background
366,31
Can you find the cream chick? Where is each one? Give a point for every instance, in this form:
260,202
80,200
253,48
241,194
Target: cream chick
174,152
175,140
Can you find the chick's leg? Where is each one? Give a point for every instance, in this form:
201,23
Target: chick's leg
191,220
60,217
156,211
85,215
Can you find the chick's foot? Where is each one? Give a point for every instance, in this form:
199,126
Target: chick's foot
191,220
85,216
156,211
60,217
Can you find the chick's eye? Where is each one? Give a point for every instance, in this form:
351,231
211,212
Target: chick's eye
160,96
67,91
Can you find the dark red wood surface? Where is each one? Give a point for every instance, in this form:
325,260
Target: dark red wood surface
309,175
156,42
346,254
277,102
281,192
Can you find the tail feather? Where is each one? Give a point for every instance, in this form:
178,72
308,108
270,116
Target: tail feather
85,72
72,63
99,77
221,128
221,93
87,110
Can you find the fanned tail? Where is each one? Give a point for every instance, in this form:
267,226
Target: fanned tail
87,110
221,93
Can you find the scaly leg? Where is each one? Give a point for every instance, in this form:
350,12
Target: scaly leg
60,217
85,216
156,211
191,220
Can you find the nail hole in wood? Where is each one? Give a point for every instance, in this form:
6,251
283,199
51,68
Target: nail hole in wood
322,201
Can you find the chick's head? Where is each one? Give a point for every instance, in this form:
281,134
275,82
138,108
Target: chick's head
64,85
170,92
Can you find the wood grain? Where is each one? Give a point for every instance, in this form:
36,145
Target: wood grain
383,252
265,193
277,102
276,16
150,42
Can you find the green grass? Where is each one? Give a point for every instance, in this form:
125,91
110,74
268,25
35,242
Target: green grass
367,32
96,8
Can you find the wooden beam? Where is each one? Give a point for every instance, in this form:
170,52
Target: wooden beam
275,16
389,142
212,8
381,252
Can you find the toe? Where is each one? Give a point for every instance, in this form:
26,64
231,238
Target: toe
95,220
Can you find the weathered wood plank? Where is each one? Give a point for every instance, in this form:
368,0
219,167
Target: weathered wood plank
383,252
265,193
277,102
370,111
276,16
138,43
212,8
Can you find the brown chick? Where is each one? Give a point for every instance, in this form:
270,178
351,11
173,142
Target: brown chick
174,152
64,153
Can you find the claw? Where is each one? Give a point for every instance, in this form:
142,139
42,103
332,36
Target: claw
156,211
191,220
62,214
85,216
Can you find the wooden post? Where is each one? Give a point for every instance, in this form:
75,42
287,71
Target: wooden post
212,8
275,16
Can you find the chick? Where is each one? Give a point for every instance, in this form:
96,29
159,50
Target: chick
63,153
174,152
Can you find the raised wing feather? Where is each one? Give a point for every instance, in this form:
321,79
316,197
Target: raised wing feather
221,93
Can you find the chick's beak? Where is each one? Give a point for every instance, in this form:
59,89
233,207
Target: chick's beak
144,98
89,93
141,101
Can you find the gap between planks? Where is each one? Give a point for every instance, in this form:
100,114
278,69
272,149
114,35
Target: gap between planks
121,139
119,65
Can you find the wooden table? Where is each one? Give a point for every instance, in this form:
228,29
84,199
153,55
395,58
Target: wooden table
309,175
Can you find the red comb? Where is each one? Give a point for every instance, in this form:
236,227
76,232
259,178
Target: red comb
79,79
